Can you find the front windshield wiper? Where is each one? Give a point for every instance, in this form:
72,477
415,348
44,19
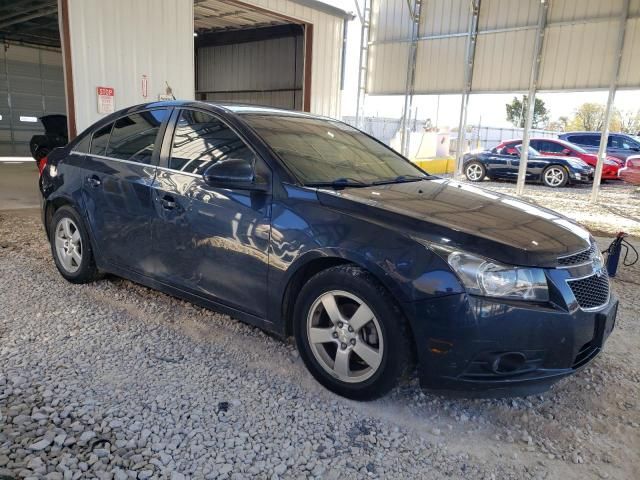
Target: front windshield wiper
339,183
402,179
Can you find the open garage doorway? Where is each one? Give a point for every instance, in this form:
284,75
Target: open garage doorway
246,54
31,73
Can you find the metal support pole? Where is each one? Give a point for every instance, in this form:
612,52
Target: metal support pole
363,61
405,124
531,98
472,37
604,136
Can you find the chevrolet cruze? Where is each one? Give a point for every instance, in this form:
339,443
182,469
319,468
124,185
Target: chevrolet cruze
305,226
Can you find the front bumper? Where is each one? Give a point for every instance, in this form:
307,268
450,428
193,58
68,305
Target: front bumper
459,338
585,176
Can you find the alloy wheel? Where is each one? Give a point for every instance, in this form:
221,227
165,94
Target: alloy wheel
474,172
345,336
68,244
554,176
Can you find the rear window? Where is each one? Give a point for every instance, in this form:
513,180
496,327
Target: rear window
100,140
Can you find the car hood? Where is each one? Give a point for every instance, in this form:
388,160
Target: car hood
466,217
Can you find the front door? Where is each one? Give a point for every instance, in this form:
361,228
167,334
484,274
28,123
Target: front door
209,240
117,189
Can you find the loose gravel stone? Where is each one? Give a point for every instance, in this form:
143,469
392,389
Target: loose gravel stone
114,380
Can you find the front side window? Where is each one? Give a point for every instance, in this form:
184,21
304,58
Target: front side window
100,140
133,137
321,151
201,139
618,141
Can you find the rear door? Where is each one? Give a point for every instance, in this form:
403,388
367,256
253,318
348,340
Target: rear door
117,190
209,240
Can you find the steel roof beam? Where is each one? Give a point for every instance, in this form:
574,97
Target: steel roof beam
604,136
40,13
531,98
472,40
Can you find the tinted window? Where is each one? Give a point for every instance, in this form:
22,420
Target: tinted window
547,146
100,140
83,145
200,140
133,137
318,150
618,141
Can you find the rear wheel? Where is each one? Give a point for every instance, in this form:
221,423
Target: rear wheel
70,247
475,171
555,176
350,334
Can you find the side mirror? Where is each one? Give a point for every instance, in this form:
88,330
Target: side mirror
566,151
233,173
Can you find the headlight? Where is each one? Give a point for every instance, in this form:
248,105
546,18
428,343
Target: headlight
482,276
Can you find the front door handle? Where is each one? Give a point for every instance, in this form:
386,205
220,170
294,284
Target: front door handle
94,181
168,203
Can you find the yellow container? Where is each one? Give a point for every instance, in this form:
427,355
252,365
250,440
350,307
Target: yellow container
437,165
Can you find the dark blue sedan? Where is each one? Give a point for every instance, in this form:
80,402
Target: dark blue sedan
503,163
305,226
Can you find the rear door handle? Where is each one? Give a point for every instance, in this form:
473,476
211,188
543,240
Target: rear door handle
94,181
168,203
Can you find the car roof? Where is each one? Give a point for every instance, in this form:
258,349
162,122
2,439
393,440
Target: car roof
237,108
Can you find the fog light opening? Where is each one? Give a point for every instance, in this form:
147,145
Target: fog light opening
509,362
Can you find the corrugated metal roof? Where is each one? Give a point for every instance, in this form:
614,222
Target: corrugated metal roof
217,15
578,48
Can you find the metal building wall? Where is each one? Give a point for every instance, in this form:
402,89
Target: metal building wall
31,85
327,51
578,48
267,72
114,43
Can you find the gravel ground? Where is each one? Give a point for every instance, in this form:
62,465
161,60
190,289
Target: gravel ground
113,380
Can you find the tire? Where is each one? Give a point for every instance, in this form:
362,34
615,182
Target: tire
383,340
475,171
555,176
71,248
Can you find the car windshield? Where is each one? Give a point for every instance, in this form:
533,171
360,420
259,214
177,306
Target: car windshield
326,152
532,151
573,146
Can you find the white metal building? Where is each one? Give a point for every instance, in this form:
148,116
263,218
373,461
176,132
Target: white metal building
285,53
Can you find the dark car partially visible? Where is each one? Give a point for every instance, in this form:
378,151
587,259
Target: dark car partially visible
619,145
55,135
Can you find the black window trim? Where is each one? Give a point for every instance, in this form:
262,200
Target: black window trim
167,144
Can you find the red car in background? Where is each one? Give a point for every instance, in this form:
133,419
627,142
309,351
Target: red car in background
631,171
556,147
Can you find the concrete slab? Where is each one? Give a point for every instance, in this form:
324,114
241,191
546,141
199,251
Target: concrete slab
19,185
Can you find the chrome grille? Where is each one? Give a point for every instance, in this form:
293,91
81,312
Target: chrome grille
578,258
591,292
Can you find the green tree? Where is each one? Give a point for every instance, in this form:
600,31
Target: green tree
516,112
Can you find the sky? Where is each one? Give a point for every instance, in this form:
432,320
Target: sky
444,110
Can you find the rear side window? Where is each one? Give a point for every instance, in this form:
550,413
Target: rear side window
200,140
83,145
133,137
618,141
100,140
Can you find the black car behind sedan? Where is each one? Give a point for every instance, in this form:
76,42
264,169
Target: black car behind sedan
503,163
305,226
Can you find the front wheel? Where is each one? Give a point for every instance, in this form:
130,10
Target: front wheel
475,171
351,336
555,176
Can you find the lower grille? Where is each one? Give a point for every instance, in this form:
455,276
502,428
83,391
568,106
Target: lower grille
591,292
